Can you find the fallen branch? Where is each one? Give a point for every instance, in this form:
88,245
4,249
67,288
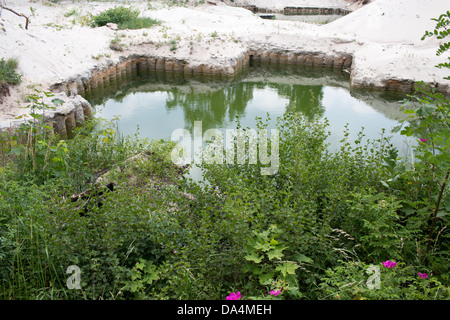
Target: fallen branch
89,192
19,14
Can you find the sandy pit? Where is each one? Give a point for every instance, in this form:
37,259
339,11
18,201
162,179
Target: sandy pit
383,37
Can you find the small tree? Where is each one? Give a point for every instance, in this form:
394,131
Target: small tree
429,122
441,31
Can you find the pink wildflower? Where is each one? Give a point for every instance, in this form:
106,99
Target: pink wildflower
423,275
389,264
274,292
234,296
423,140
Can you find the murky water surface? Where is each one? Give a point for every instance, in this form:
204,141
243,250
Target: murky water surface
159,103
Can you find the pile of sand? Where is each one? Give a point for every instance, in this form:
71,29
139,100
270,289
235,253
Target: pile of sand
391,32
387,21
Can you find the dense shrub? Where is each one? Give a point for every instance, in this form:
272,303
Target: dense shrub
116,15
44,231
160,236
356,280
125,18
8,72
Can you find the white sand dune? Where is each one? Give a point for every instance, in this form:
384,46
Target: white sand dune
388,21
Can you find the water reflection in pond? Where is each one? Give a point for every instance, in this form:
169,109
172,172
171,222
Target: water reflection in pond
160,103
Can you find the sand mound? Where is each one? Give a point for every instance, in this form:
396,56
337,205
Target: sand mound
388,21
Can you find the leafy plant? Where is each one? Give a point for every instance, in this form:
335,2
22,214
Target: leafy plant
116,15
264,255
173,45
35,147
125,18
355,280
441,31
139,23
70,12
8,71
429,121
143,274
116,44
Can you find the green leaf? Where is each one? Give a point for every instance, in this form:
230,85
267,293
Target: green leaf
57,101
15,151
135,275
140,265
275,253
36,116
151,277
302,258
253,257
264,234
384,184
286,268
266,278
262,246
442,214
273,242
135,286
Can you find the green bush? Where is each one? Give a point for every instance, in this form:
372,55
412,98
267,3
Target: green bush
8,72
116,15
125,18
355,280
138,23
160,236
45,231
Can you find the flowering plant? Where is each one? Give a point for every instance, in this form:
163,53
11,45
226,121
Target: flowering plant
234,296
389,264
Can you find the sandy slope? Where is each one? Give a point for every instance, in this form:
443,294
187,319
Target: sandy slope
384,38
387,21
392,35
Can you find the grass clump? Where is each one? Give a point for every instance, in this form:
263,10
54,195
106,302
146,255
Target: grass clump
8,76
125,18
139,23
8,72
70,12
115,44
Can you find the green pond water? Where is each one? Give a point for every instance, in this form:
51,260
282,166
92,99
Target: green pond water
159,103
